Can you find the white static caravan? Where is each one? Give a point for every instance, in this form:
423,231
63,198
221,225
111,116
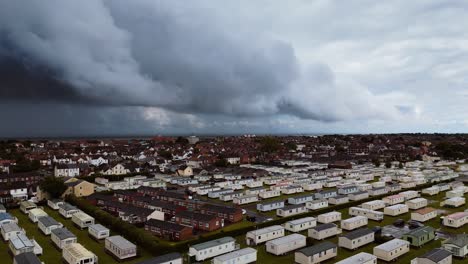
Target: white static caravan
454,193
317,204
213,248
359,258
270,206
120,247
76,254
291,189
370,214
283,245
456,220
291,210
396,209
358,196
339,199
245,199
25,206
312,186
47,224
10,230
54,203
67,210
230,196
377,191
301,224
393,199
425,214
433,190
416,203
329,217
270,194
35,214
323,231
256,190
453,202
392,249
62,237
409,195
373,205
217,194
354,222
316,253
21,244
254,184
356,238
82,220
378,184
241,256
98,231
259,236
301,199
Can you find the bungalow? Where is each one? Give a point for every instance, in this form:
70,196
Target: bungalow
290,210
453,202
82,220
270,206
245,199
435,256
354,222
62,237
241,256
259,236
292,189
171,258
98,231
301,224
76,254
359,258
67,210
377,191
356,238
168,230
283,245
35,214
323,231
325,194
420,236
339,199
457,245
213,248
370,214
270,194
348,190
25,206
393,199
120,247
425,214
316,254
6,218
47,224
54,203
22,244
329,217
416,203
317,204
358,196
433,190
392,249
373,205
456,220
11,230
301,199
396,209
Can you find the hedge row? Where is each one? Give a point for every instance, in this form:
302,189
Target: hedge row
152,244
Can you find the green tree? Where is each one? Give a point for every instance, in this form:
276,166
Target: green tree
269,144
55,187
376,162
388,164
400,165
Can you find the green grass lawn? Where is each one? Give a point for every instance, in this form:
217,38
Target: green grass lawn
53,255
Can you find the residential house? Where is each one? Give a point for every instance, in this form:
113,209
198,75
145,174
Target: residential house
79,188
230,214
168,230
67,170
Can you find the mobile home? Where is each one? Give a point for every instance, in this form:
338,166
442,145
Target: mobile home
98,231
291,210
396,209
435,256
270,194
82,220
54,203
433,190
213,248
6,218
339,199
292,189
47,224
25,206
241,256
358,196
245,199
270,206
283,245
409,194
420,236
259,236
453,202
67,210
301,224
230,196
120,247
456,220
373,205
354,222
76,254
301,199
370,214
393,199
359,258
35,214
62,237
171,258
416,203
11,230
356,238
323,231
317,204
21,244
329,217
316,253
425,214
392,249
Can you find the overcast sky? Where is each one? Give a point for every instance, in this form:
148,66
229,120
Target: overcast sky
107,67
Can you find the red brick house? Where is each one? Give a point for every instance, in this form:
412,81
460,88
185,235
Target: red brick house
230,214
168,230
199,221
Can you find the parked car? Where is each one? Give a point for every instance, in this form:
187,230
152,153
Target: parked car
399,223
414,224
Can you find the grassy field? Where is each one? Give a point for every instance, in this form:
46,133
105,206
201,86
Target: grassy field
50,253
